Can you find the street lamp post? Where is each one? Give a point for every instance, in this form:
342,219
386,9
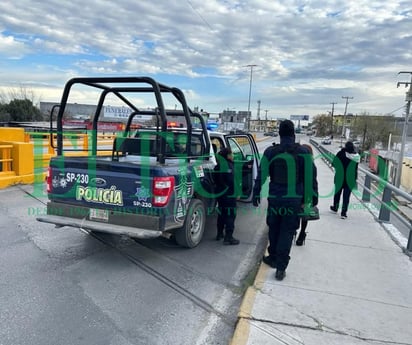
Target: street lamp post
333,109
344,118
405,129
250,93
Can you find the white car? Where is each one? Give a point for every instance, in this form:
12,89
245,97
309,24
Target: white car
326,141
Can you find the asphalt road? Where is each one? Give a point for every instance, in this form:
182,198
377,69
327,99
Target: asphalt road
64,286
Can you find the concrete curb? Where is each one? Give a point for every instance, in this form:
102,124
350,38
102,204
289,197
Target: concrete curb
241,334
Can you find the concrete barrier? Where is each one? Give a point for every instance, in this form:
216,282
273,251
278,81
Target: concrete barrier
24,156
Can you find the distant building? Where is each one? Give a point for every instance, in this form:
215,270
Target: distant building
231,119
263,125
233,116
113,114
73,110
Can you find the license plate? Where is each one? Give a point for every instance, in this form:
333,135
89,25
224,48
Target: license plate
99,214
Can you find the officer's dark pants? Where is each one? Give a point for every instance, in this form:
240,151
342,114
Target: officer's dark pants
226,218
283,221
345,199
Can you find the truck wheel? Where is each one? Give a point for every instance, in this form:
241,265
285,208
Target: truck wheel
191,233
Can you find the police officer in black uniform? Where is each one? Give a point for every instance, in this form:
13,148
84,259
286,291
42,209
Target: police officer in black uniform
225,185
286,164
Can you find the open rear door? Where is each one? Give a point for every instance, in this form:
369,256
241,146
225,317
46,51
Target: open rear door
246,160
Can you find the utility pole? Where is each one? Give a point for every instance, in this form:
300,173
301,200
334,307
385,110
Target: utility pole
266,120
258,116
250,93
405,128
344,117
333,109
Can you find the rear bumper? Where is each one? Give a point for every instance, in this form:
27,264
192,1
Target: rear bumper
120,223
101,227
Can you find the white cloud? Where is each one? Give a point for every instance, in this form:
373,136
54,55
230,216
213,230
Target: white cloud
308,53
11,48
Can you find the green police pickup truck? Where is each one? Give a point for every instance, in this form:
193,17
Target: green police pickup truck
155,179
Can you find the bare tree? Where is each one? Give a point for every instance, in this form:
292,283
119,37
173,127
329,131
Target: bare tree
18,104
21,93
323,124
373,129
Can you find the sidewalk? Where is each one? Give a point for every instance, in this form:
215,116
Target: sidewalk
350,284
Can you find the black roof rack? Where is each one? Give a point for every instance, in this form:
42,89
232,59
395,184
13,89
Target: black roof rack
121,87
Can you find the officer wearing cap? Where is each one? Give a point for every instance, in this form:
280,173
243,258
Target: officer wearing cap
286,164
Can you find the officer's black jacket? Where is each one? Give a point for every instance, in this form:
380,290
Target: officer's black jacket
224,177
305,187
346,169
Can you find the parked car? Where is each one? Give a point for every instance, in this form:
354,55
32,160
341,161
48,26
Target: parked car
326,141
270,134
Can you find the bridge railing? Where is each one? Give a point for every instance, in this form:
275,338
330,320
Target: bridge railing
378,188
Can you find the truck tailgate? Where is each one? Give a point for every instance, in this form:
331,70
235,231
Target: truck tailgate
100,183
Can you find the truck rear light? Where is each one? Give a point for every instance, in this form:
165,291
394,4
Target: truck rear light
48,180
162,190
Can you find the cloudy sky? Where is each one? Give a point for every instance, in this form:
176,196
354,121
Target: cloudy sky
309,53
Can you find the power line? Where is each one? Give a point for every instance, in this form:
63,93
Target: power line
200,16
214,32
393,111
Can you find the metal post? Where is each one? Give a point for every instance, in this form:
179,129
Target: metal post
366,196
250,93
405,129
409,245
384,212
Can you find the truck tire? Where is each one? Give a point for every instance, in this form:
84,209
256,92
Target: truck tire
191,233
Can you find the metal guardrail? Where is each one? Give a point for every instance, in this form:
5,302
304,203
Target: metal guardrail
381,190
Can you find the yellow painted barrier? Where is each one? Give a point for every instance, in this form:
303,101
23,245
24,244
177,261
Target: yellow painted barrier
12,134
5,158
18,166
24,156
16,157
23,162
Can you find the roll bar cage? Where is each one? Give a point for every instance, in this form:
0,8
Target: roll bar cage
120,87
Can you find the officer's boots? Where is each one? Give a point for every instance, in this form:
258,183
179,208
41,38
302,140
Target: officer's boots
230,240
